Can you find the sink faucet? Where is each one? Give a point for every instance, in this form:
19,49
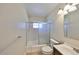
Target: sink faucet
76,49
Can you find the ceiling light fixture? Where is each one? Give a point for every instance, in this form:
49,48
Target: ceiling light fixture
75,4
73,8
60,11
67,7
65,12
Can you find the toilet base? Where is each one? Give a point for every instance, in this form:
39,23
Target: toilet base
45,53
46,50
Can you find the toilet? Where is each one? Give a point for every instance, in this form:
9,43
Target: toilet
48,50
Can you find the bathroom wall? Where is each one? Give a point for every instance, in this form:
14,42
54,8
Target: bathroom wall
58,28
57,21
12,18
37,19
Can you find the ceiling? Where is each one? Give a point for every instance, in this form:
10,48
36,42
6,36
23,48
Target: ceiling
39,9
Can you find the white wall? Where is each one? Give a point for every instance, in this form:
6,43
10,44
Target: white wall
57,21
37,19
10,16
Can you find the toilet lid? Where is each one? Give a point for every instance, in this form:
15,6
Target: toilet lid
47,49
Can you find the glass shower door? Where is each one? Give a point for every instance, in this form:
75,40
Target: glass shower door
44,33
37,34
32,35
31,38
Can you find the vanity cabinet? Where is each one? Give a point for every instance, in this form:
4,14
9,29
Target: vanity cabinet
63,49
56,52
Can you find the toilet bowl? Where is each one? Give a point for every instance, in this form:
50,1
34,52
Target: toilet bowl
48,50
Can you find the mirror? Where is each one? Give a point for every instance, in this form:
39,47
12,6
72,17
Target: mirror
71,24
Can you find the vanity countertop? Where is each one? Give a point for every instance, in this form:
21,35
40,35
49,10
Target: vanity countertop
65,49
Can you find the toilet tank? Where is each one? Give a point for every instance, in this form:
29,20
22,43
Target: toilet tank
53,42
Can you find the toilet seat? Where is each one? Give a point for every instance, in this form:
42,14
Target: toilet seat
47,50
